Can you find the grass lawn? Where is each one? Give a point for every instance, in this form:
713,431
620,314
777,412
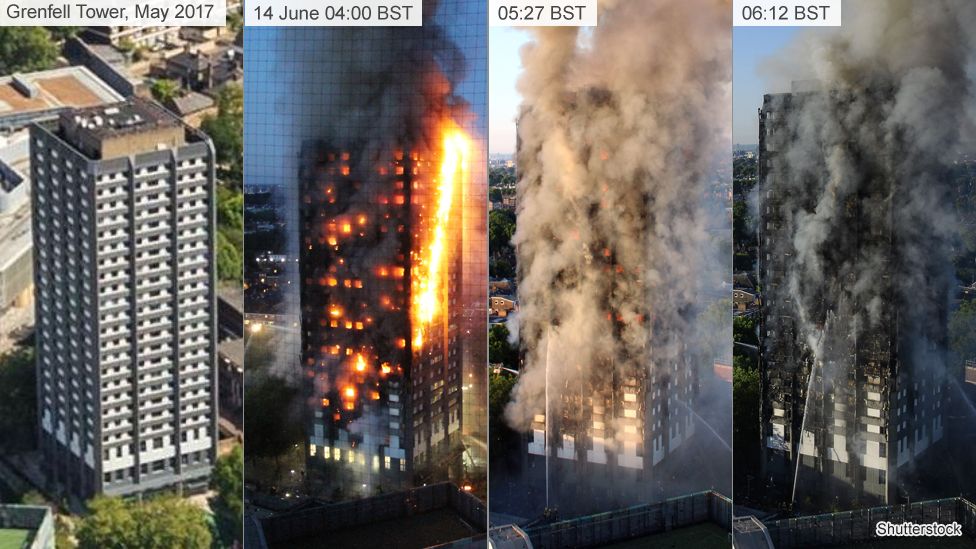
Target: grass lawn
13,539
703,536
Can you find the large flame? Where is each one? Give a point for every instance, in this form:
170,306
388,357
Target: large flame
429,271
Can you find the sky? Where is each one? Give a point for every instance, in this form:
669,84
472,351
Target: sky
504,66
751,47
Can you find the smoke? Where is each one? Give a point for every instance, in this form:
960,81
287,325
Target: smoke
619,132
881,107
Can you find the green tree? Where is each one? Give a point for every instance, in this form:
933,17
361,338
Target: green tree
744,362
230,260
26,49
501,227
743,225
18,406
169,521
63,33
500,351
499,393
164,89
962,333
228,480
64,533
33,497
744,330
226,130
162,522
230,234
110,525
744,168
501,268
235,21
126,45
501,175
745,424
272,431
230,208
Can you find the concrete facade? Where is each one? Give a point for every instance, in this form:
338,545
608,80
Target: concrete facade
124,277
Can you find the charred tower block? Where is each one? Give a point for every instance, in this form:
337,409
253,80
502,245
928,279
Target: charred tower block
123,236
389,379
851,384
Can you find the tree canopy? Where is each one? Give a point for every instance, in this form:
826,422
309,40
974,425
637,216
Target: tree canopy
745,424
26,49
501,227
18,407
164,89
273,431
228,480
962,332
499,393
226,130
159,523
500,351
230,234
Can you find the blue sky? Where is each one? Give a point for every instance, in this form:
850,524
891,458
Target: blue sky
504,66
751,47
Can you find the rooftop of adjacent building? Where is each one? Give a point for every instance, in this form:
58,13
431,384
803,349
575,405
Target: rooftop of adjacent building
233,351
705,535
15,213
857,528
21,525
233,295
422,517
427,529
695,520
51,89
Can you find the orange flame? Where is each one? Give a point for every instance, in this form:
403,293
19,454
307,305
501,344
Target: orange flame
428,285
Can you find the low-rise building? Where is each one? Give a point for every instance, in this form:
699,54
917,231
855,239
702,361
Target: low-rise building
199,70
500,305
16,265
31,97
26,527
743,300
147,37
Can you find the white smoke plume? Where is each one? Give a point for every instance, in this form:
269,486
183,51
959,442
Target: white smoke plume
894,102
882,106
620,129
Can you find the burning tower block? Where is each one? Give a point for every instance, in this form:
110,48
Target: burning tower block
616,404
388,303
